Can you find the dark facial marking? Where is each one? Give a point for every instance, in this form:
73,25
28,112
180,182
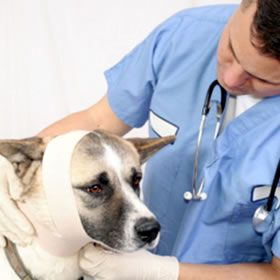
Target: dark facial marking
93,146
108,228
99,190
104,178
136,177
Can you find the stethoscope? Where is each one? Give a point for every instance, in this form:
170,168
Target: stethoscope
197,194
260,218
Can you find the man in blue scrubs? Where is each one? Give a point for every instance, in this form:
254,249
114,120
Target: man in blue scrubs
164,80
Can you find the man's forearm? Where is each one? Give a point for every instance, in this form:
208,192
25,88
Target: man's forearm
244,271
97,116
75,121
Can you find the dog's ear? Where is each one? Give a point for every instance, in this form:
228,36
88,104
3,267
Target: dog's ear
147,147
21,153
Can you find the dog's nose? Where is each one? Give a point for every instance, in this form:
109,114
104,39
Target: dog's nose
147,229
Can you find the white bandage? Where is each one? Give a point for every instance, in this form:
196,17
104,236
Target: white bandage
61,202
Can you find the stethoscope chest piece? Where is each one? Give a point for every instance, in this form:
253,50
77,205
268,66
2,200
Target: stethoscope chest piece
261,220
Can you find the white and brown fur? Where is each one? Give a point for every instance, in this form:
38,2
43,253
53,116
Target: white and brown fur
105,174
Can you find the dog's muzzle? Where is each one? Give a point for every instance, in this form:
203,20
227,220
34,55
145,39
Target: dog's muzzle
147,229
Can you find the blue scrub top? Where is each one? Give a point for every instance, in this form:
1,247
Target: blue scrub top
164,80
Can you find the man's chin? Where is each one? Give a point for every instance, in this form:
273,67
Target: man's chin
236,92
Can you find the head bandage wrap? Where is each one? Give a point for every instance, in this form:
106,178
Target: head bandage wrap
61,202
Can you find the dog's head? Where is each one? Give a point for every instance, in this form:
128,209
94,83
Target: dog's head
105,176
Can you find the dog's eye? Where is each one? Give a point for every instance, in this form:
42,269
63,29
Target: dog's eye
94,189
136,181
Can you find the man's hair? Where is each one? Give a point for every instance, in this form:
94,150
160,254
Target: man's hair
265,28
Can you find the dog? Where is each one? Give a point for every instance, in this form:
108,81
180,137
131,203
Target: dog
105,177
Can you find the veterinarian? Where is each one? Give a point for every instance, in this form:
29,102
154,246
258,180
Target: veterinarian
165,80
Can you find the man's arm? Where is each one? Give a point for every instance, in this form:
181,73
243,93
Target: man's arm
143,265
99,115
240,271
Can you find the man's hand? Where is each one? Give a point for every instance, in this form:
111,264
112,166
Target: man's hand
141,265
13,224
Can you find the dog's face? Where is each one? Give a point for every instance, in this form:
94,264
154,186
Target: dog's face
105,176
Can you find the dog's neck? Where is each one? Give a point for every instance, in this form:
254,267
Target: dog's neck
16,262
32,262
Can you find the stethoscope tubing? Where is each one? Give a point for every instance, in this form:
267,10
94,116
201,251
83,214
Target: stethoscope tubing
273,187
207,102
260,220
197,193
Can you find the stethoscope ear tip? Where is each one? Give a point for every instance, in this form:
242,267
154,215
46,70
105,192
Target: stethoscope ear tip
189,196
203,196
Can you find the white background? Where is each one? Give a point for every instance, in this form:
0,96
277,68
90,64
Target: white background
53,54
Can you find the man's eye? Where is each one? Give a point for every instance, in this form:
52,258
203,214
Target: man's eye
94,189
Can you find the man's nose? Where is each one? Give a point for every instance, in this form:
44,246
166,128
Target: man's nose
235,76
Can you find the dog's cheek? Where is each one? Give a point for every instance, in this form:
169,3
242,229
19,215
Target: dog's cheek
87,202
109,227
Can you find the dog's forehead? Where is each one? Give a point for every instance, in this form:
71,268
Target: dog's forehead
97,152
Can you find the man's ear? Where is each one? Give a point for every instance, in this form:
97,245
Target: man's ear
147,147
21,153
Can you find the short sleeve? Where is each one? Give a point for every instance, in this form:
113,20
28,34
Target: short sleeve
132,81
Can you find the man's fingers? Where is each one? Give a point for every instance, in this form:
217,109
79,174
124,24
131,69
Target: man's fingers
13,223
15,229
14,238
2,241
16,188
90,251
17,237
11,215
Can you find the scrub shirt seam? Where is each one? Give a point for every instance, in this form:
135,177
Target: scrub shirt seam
109,94
206,19
275,251
157,54
122,117
110,80
243,125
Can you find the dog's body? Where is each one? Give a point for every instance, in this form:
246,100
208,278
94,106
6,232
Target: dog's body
105,175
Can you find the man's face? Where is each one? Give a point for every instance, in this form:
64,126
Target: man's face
242,69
